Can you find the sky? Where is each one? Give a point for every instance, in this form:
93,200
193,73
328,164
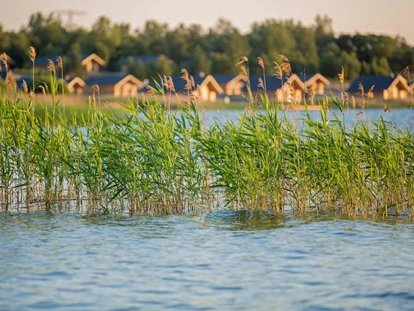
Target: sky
394,17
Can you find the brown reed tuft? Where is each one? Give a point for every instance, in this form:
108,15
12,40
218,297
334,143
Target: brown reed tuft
311,92
242,60
279,72
370,93
290,94
286,68
59,62
165,82
261,63
284,58
260,85
362,94
4,61
170,84
32,54
43,88
243,71
353,101
186,78
51,66
341,76
346,98
25,88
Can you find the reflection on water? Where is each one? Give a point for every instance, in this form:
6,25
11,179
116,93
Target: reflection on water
224,260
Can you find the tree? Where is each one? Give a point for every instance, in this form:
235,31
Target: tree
74,59
4,40
138,69
199,63
164,66
380,67
351,65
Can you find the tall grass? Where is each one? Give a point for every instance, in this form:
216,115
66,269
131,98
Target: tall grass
149,160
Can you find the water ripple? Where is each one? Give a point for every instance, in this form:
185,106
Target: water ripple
223,260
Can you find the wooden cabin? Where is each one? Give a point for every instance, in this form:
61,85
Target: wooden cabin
290,91
113,84
93,63
315,81
384,87
206,88
231,84
76,86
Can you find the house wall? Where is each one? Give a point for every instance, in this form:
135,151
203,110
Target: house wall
282,95
92,66
233,88
77,89
395,93
126,89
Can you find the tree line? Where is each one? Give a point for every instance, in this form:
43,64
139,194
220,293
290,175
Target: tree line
313,48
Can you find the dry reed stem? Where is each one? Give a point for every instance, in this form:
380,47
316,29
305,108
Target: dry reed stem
242,60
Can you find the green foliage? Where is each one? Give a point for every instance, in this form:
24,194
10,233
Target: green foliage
214,50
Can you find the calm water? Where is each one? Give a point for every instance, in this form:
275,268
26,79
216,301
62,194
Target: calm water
402,117
219,261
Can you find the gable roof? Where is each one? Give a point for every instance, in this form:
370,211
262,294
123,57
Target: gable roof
224,79
146,59
44,60
179,83
381,83
76,80
272,83
94,57
109,78
309,78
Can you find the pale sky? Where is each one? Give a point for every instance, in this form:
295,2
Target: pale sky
392,17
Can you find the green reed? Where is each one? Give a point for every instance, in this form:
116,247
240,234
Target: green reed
149,160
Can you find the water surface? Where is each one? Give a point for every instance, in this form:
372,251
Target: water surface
222,260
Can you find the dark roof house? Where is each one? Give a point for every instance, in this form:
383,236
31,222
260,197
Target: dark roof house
387,87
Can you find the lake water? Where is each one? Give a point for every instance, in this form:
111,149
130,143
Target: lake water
222,260
403,117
